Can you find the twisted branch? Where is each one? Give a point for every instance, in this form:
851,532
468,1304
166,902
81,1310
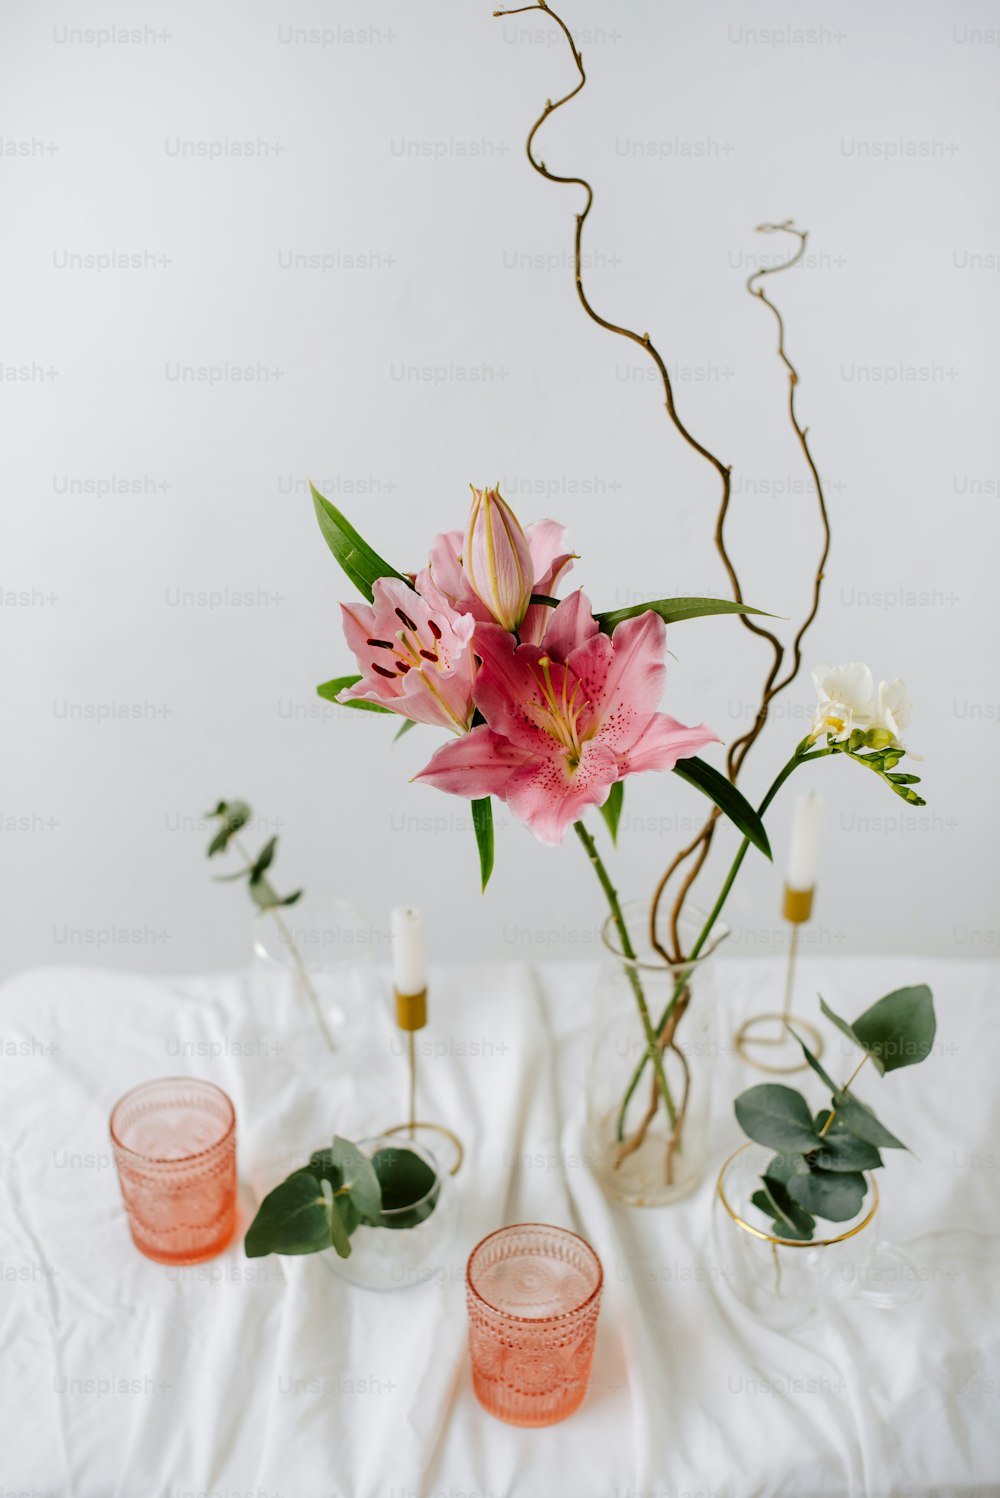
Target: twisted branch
774,683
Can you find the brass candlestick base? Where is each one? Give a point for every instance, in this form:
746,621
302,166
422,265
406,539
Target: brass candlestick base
744,1039
411,1016
797,909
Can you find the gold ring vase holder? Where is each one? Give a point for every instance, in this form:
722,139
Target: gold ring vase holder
764,1040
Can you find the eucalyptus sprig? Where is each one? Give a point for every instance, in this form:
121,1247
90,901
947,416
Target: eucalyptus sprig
232,817
340,1190
819,1170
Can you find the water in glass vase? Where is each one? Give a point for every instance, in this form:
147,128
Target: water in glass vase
653,1057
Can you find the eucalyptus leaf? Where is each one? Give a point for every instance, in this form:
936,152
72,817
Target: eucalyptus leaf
234,814
340,1233
841,1024
726,797
860,1120
611,811
898,1030
791,1220
835,1195
324,1167
357,1179
813,1060
264,859
673,610
294,1218
841,1150
777,1116
362,565
406,1181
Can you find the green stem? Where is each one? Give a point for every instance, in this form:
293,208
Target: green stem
800,757
296,956
653,1052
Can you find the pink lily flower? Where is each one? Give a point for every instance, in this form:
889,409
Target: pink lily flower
445,584
565,719
415,656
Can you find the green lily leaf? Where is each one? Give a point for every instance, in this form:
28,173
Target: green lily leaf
406,1181
835,1195
790,1219
611,811
361,564
407,724
776,1116
294,1218
726,797
330,690
673,610
482,822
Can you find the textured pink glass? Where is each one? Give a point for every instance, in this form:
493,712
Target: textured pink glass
533,1293
175,1147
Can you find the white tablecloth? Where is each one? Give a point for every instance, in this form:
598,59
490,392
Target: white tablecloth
121,1378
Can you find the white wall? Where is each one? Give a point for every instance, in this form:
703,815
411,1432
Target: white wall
101,834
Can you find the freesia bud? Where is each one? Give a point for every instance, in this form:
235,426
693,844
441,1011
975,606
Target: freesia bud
497,558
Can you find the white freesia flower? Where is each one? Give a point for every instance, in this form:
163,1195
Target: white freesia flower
894,709
846,699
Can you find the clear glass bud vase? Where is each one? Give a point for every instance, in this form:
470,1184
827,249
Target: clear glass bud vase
648,1103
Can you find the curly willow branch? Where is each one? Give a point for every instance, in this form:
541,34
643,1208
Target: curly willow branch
774,682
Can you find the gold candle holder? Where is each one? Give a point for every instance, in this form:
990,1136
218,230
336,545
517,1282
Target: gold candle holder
411,1016
796,909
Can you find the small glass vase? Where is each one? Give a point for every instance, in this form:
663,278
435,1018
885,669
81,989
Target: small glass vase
317,961
649,1149
785,1283
411,1243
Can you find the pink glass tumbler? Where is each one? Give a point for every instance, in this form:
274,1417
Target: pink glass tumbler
175,1148
533,1294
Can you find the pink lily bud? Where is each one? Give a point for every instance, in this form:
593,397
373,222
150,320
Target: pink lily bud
497,558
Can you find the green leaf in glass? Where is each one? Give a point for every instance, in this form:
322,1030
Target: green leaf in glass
294,1218
358,1179
790,1219
835,1195
410,1188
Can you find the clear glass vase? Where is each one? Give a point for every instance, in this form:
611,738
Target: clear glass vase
785,1283
411,1244
647,1124
317,962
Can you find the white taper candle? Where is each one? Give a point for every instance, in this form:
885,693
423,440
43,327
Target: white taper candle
803,849
409,972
